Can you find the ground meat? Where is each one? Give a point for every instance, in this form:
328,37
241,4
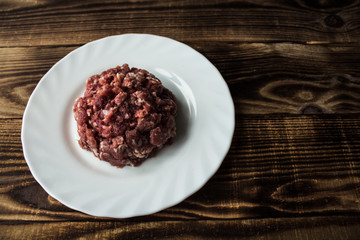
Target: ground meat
125,116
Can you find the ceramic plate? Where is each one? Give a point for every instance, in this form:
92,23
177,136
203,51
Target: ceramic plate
73,176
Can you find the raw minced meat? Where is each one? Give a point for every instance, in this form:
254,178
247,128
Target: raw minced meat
125,116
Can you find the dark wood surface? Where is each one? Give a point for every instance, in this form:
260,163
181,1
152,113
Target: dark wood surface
293,68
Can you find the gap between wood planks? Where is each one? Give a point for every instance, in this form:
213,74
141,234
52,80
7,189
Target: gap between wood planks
166,216
325,43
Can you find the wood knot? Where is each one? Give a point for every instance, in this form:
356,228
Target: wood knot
311,109
334,21
305,95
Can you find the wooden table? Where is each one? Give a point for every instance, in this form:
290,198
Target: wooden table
293,68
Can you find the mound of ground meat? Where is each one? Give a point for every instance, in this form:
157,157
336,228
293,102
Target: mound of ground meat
125,116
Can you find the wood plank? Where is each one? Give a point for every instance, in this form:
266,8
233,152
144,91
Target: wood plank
263,78
35,23
290,78
21,70
334,227
278,166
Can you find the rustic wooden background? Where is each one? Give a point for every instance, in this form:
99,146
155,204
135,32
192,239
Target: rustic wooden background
293,68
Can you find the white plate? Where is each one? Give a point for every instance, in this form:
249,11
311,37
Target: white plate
73,176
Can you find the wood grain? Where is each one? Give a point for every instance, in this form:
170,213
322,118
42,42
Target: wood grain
35,23
283,166
21,70
293,69
263,78
260,229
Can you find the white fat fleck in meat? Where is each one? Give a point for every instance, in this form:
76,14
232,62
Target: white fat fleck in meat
139,101
131,75
95,151
138,154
